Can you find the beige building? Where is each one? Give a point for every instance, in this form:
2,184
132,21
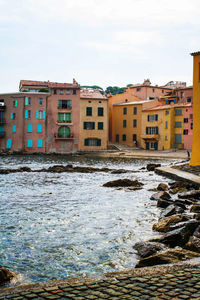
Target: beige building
93,121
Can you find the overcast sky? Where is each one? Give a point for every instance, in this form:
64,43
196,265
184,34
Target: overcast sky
103,42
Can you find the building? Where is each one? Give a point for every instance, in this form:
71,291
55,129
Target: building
42,117
93,134
195,157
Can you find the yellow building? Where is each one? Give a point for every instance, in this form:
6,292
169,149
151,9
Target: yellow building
93,132
195,157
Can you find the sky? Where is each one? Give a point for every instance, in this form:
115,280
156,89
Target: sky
101,42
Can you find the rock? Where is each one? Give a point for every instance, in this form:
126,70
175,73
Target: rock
5,275
120,171
195,208
151,167
24,169
197,216
160,195
167,257
164,203
182,184
162,187
172,210
123,183
180,204
193,244
194,194
197,232
134,188
163,224
146,249
180,236
177,190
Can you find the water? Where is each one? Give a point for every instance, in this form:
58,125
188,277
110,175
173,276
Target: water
55,225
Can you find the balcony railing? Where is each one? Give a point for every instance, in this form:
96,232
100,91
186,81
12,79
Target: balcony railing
2,121
64,121
66,137
64,107
2,134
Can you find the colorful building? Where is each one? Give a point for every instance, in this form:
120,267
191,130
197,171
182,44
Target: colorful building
195,157
93,134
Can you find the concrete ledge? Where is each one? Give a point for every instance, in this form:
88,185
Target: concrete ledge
178,175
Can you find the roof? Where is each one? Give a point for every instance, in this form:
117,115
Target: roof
133,103
195,53
23,93
150,86
50,84
89,94
159,107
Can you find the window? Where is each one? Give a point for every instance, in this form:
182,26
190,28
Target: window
189,99
64,104
135,110
100,125
185,131
166,138
40,143
178,138
89,125
64,117
74,92
92,142
14,128
30,128
67,92
39,128
134,123
8,144
152,130
138,89
153,90
152,118
55,92
167,112
27,114
185,120
124,123
88,111
191,126
100,111
64,132
124,137
134,137
12,116
191,116
182,94
166,124
178,124
15,103
178,112
40,114
125,110
117,138
29,143
29,100
61,92
40,101
2,120
163,91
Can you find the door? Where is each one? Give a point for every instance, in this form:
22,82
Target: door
117,138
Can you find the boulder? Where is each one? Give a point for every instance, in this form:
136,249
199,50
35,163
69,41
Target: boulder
24,169
180,204
180,236
162,187
120,171
193,244
167,257
160,195
123,183
182,184
195,208
164,203
171,210
151,167
197,232
194,194
177,190
163,224
145,249
5,275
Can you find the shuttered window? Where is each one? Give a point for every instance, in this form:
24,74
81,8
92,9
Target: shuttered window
100,125
30,128
14,128
64,117
40,143
9,144
39,128
29,143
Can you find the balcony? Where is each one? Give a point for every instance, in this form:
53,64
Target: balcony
67,107
150,137
2,134
62,137
2,121
2,106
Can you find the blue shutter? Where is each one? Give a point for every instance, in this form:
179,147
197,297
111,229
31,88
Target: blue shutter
40,143
14,128
26,114
11,116
39,128
43,114
9,144
29,143
30,128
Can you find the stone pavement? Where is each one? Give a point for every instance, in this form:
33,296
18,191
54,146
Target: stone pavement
161,282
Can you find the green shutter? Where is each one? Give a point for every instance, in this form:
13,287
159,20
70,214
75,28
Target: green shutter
59,103
26,114
26,100
99,142
84,125
30,128
60,117
16,102
40,143
68,117
37,114
39,128
29,143
14,128
9,144
86,142
43,114
11,116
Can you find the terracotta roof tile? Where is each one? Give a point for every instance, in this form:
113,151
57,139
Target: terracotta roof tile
47,84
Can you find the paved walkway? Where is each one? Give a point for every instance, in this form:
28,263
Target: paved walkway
162,282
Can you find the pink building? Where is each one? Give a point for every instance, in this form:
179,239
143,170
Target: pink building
188,126
42,117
